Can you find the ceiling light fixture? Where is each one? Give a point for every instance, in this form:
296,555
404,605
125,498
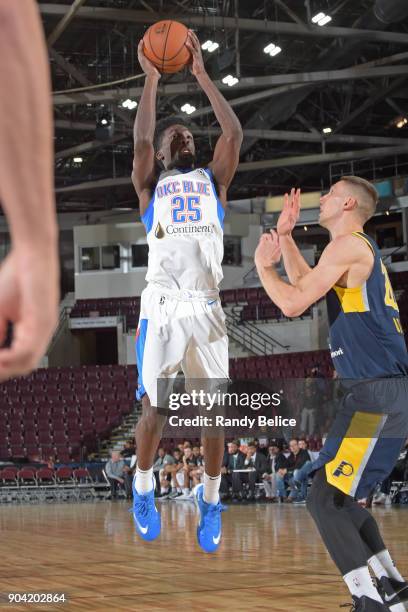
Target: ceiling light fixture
130,104
230,80
272,49
210,46
188,108
321,19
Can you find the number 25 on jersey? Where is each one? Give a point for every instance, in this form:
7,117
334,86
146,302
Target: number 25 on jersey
185,209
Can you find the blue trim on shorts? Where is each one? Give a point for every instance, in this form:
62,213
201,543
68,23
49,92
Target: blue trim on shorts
220,208
140,347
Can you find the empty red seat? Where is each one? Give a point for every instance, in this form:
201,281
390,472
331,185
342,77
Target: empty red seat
9,475
44,437
26,476
59,437
81,475
45,476
64,474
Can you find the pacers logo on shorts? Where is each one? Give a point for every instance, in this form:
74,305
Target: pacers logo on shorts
343,469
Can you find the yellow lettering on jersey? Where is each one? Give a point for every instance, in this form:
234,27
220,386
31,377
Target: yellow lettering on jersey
389,297
398,325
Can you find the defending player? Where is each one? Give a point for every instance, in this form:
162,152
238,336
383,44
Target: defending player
367,347
181,321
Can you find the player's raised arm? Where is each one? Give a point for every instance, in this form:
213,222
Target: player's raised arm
226,154
143,131
336,259
295,265
29,274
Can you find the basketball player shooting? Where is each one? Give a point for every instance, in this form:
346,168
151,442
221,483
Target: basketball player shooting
181,321
368,348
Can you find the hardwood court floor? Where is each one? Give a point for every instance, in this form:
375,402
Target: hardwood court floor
271,558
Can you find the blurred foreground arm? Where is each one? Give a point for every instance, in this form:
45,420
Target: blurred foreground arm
29,288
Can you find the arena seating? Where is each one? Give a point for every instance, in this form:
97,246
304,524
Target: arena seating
63,411
128,307
284,365
33,484
256,305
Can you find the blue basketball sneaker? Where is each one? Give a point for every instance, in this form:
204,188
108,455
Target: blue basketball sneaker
145,514
209,527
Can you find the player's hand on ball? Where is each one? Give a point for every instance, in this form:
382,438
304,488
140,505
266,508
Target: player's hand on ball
268,251
193,44
148,68
290,213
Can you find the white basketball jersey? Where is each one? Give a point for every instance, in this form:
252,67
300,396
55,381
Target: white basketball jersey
184,225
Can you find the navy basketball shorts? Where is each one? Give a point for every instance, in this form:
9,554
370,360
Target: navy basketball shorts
367,435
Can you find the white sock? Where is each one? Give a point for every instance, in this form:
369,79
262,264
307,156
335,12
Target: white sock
211,488
383,565
359,583
144,480
186,491
164,491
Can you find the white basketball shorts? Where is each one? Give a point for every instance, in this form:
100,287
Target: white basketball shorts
179,330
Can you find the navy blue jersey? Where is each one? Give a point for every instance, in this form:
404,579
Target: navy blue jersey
366,337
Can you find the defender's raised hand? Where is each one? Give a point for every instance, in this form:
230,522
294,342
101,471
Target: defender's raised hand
290,213
148,68
193,44
268,251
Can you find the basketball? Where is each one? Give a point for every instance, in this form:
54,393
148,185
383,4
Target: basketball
164,45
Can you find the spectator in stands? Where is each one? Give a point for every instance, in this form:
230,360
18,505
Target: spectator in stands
233,460
263,445
189,465
276,460
257,463
129,449
307,423
162,460
399,474
196,454
176,473
165,475
118,474
304,445
50,462
196,473
295,474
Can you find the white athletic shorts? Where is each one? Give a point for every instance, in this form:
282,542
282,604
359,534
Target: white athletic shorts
179,330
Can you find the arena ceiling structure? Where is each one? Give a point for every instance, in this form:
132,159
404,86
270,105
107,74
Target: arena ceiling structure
314,96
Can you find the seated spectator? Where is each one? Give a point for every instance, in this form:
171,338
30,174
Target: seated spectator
119,474
175,470
275,461
162,460
257,463
128,450
304,445
196,474
233,460
399,473
189,465
295,474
